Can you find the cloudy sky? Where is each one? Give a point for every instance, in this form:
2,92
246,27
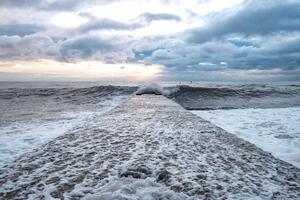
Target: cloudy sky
217,40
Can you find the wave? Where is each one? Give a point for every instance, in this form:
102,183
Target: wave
232,97
190,97
156,89
75,95
27,104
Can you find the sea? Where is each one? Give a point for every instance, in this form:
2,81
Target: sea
34,113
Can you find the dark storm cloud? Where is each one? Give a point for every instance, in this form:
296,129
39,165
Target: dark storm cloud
108,24
256,18
19,29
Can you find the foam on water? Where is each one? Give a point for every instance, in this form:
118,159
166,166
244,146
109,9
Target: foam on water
18,138
133,189
149,148
155,88
23,136
275,130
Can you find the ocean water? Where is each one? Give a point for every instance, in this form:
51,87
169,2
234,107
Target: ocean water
34,113
275,130
31,116
20,137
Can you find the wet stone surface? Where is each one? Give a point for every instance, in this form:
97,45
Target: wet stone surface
149,142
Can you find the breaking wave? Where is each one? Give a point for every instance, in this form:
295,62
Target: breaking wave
32,116
79,95
23,104
190,97
150,89
232,97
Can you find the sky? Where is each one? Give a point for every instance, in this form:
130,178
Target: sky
171,40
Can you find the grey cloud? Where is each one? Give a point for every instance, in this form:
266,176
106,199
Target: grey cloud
257,18
109,50
19,29
280,51
84,47
19,3
27,47
149,17
62,5
108,24
39,46
66,5
262,35
180,55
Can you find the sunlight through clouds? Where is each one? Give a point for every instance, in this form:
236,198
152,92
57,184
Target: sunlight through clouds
68,20
199,36
83,69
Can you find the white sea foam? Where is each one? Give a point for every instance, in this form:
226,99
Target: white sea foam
132,189
20,137
170,153
275,130
156,89
152,88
